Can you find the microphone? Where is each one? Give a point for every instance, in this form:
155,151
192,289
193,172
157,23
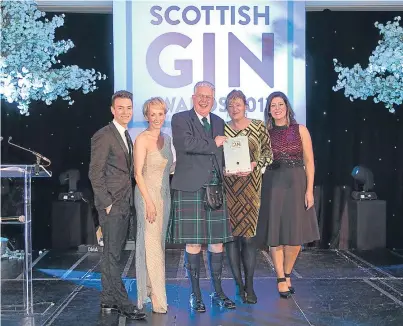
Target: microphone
28,150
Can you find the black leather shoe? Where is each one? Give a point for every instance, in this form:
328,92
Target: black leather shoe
131,313
105,307
197,303
222,300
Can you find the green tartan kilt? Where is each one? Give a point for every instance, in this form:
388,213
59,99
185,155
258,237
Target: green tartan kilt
191,223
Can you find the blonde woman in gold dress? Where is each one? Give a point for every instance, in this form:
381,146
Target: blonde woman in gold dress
153,161
243,194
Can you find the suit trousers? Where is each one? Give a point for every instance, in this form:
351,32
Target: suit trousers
114,229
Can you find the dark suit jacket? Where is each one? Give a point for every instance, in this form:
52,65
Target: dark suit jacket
195,150
110,170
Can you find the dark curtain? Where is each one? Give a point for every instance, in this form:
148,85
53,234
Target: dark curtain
345,133
60,132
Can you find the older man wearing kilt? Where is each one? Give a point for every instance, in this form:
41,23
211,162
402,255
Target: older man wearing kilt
198,137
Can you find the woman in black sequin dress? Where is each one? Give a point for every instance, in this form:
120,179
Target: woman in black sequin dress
287,216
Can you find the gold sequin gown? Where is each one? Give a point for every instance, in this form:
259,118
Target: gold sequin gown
150,244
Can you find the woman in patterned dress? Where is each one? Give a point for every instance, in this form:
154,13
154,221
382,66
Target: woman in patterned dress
153,163
287,217
243,194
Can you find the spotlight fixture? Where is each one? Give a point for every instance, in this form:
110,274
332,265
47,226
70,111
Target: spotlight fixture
71,177
363,183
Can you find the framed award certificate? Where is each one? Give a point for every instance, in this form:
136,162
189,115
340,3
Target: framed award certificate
236,155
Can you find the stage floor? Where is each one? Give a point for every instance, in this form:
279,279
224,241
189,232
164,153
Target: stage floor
333,287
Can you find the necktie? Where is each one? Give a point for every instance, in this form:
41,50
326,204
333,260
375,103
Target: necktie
207,127
206,124
129,144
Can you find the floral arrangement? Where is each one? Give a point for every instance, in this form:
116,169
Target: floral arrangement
29,66
383,78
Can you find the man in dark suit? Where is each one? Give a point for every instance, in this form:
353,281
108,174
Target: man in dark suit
198,136
111,175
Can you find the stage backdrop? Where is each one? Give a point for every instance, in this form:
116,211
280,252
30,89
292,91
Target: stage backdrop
163,48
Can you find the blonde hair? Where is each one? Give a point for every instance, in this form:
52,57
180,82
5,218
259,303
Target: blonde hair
158,102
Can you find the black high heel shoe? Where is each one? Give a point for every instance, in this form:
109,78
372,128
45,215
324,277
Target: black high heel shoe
240,292
285,294
291,288
250,296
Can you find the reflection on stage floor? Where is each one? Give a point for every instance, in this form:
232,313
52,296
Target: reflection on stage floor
333,287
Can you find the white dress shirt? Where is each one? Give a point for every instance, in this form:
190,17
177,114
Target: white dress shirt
121,130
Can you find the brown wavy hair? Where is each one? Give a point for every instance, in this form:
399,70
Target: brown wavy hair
234,95
290,115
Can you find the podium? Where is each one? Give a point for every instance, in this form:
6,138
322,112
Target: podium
22,175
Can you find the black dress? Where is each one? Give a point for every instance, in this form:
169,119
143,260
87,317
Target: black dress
283,218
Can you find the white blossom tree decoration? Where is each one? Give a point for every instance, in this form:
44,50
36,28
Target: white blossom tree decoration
29,68
383,78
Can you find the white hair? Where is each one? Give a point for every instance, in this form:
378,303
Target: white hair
204,84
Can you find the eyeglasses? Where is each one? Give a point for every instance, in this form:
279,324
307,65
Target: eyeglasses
204,97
